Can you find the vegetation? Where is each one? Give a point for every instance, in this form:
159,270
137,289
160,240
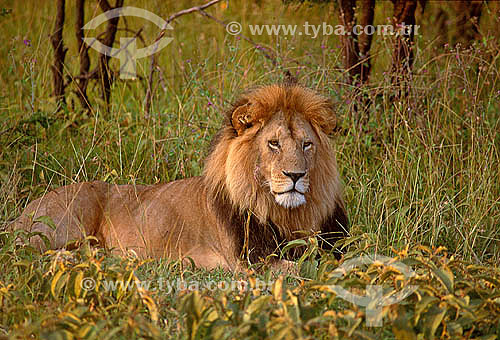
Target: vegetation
419,164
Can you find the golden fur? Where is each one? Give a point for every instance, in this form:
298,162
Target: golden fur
270,177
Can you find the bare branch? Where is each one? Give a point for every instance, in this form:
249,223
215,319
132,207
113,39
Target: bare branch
152,65
191,10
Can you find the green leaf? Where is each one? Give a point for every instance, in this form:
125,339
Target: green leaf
257,305
434,319
71,320
77,288
54,283
293,244
47,220
454,328
445,276
403,329
88,331
58,335
423,305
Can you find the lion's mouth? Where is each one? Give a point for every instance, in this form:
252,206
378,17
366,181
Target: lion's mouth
290,199
288,191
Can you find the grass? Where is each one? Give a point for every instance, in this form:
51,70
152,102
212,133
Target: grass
420,173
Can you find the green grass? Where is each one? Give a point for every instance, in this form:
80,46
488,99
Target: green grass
419,172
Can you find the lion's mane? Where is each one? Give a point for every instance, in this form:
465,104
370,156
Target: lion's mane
233,178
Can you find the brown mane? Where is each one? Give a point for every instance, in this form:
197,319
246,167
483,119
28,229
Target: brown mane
233,179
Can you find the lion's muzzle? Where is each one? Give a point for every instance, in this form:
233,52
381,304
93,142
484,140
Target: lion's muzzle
290,188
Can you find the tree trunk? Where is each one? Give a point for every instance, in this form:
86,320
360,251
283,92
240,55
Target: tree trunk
365,40
402,58
349,41
469,14
356,48
106,78
83,53
59,52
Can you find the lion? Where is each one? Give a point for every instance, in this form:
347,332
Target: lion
270,177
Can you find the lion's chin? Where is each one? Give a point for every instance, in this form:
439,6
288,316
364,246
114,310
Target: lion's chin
290,200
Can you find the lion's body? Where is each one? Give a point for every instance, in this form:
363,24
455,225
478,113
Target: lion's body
271,177
149,220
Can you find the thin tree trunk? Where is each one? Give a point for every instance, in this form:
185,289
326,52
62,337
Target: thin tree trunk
59,52
356,48
441,22
469,15
365,40
106,78
83,53
349,41
404,14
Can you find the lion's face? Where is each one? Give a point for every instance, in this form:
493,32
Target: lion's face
286,149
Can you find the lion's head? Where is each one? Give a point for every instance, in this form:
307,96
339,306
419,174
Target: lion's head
274,159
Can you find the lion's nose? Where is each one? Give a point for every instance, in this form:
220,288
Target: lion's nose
295,176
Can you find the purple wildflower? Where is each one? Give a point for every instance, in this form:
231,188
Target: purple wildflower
27,42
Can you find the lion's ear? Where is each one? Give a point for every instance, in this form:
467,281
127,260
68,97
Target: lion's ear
329,125
328,121
241,118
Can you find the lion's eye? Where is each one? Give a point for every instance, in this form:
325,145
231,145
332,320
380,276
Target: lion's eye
274,144
307,145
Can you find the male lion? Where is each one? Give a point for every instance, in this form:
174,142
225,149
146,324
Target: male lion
270,177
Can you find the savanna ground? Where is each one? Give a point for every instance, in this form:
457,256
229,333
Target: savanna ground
421,175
